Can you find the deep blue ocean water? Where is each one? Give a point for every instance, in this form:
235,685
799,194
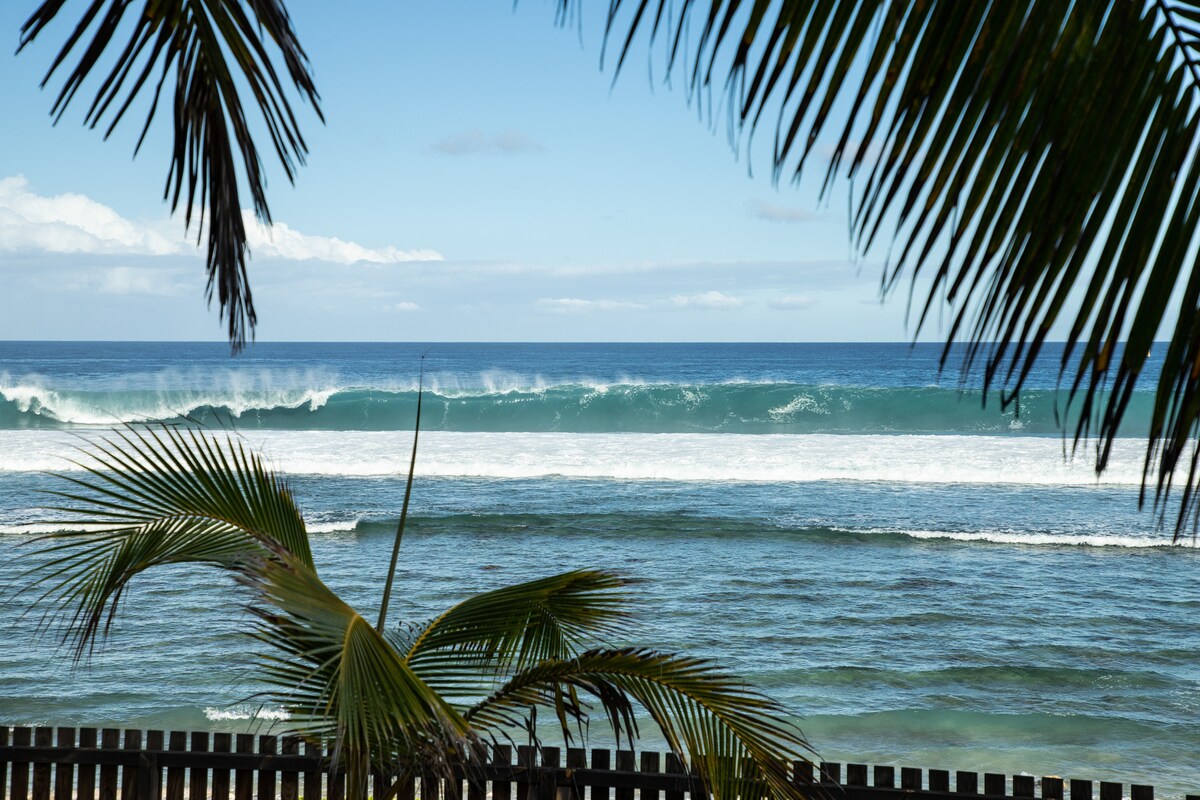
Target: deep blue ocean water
925,579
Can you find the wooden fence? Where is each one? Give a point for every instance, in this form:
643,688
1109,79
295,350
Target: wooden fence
87,764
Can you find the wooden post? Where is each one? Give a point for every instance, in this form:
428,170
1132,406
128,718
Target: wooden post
910,779
600,760
885,777
21,737
995,784
576,759
1023,785
675,767
289,782
198,776
650,765
1052,788
42,737
502,757
312,777
176,742
110,739
939,780
129,775
856,774
526,763
966,782
64,774
267,745
223,743
547,786
625,763
85,784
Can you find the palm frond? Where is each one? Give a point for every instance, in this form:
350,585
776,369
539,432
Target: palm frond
342,681
211,50
159,497
1037,162
735,738
484,639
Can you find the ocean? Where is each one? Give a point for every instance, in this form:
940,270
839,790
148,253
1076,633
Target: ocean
925,579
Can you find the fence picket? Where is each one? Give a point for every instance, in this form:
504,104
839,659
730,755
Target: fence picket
267,745
312,777
1081,790
1052,788
289,782
625,763
1023,785
600,760
910,779
198,777
64,774
85,774
885,777
110,739
22,737
994,783
42,737
939,780
176,742
223,743
133,741
502,757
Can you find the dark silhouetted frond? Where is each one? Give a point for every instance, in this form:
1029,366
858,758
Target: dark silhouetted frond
209,52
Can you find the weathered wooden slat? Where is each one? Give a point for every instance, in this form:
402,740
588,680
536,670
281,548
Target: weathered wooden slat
939,780
64,774
1111,791
243,779
966,782
650,766
1139,792
625,763
176,742
1023,785
149,769
576,759
223,743
129,773
547,788
85,775
995,783
21,737
856,774
601,759
289,781
198,776
1052,788
312,777
269,746
477,762
335,779
885,777
110,740
910,779
42,737
526,761
1081,790
831,772
802,773
501,757
674,766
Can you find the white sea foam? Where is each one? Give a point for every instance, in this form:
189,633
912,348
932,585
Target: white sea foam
245,712
1025,460
1042,539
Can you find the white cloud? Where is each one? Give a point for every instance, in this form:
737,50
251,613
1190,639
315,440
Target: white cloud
75,224
282,242
794,302
404,306
476,141
72,223
574,305
711,300
776,213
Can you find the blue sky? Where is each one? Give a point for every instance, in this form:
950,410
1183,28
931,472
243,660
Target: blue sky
479,178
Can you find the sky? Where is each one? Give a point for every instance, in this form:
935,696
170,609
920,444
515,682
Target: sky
479,177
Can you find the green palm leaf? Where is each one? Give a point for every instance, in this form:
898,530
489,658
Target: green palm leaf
1036,164
211,51
736,739
484,639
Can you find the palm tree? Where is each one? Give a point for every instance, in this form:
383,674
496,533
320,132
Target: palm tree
407,700
1036,161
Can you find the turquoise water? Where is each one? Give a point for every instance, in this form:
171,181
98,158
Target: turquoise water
923,579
